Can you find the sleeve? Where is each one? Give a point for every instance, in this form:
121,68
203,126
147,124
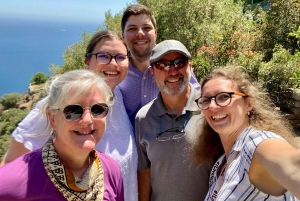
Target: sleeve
34,130
141,145
194,81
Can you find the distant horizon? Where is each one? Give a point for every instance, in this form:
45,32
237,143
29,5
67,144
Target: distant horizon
31,46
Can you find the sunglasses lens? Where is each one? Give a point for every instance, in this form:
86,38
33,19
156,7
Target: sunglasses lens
162,65
73,112
99,110
180,63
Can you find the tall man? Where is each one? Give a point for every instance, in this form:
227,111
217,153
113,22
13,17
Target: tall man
139,32
167,127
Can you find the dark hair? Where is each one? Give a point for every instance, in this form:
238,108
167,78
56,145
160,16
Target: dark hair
263,115
99,36
137,10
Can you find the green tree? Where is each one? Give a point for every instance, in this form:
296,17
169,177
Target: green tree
10,100
39,78
276,25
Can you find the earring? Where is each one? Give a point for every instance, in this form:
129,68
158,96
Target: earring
54,134
248,113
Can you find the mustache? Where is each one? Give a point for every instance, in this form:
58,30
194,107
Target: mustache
177,76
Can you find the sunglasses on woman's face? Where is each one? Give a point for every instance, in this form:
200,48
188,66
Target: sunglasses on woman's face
166,65
75,112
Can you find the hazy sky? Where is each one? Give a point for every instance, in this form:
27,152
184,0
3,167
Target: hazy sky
91,10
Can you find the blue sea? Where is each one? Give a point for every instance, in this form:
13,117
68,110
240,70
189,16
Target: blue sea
28,46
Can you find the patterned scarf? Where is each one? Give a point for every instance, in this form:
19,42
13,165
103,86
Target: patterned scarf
90,187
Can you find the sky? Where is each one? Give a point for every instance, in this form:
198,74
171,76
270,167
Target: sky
77,10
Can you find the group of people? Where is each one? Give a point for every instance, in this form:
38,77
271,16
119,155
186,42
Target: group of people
136,125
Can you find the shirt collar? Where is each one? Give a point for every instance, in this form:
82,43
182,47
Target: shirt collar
191,105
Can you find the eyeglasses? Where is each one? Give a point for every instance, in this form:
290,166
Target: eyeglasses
166,65
222,99
179,133
105,58
75,112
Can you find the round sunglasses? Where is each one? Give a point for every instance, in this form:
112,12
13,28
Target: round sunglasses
166,65
75,112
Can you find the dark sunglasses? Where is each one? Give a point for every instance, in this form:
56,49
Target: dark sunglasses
166,65
75,112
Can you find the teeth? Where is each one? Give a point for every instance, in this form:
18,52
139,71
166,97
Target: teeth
218,117
173,80
110,73
83,133
141,43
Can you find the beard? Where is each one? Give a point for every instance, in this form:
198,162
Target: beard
141,56
176,89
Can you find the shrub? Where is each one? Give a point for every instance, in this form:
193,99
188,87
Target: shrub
10,100
9,120
39,78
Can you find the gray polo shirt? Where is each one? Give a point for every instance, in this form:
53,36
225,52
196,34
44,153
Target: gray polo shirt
174,175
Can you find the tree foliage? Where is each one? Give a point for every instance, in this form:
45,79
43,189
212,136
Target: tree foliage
10,100
39,78
10,119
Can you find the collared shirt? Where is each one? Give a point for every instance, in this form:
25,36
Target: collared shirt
236,184
174,174
139,88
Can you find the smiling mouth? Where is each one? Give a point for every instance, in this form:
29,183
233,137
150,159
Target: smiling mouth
108,73
218,117
84,132
141,43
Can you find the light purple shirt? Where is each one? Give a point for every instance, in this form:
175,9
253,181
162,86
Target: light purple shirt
139,88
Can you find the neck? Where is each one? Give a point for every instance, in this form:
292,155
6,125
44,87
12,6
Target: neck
176,103
77,163
141,65
228,140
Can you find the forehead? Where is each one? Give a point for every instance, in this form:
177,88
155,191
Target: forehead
216,85
139,20
171,56
110,45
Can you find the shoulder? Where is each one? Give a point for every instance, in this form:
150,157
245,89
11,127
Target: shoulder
146,108
108,163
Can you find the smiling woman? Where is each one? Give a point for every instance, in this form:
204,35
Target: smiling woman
246,137
67,166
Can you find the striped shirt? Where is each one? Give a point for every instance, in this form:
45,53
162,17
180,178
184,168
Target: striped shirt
236,184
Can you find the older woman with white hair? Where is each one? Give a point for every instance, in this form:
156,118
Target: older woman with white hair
67,167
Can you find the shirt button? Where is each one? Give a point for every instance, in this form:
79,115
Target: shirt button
145,78
145,96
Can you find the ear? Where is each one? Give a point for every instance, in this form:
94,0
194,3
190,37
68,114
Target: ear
151,71
123,35
51,118
86,62
249,106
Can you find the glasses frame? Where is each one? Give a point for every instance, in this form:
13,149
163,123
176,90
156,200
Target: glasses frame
170,64
111,57
215,99
102,115
179,134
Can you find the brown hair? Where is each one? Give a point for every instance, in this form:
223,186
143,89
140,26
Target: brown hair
263,116
99,36
137,10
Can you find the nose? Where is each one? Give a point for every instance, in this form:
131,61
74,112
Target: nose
173,70
140,32
113,61
213,103
86,118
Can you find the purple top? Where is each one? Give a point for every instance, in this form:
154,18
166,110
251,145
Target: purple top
139,88
26,179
